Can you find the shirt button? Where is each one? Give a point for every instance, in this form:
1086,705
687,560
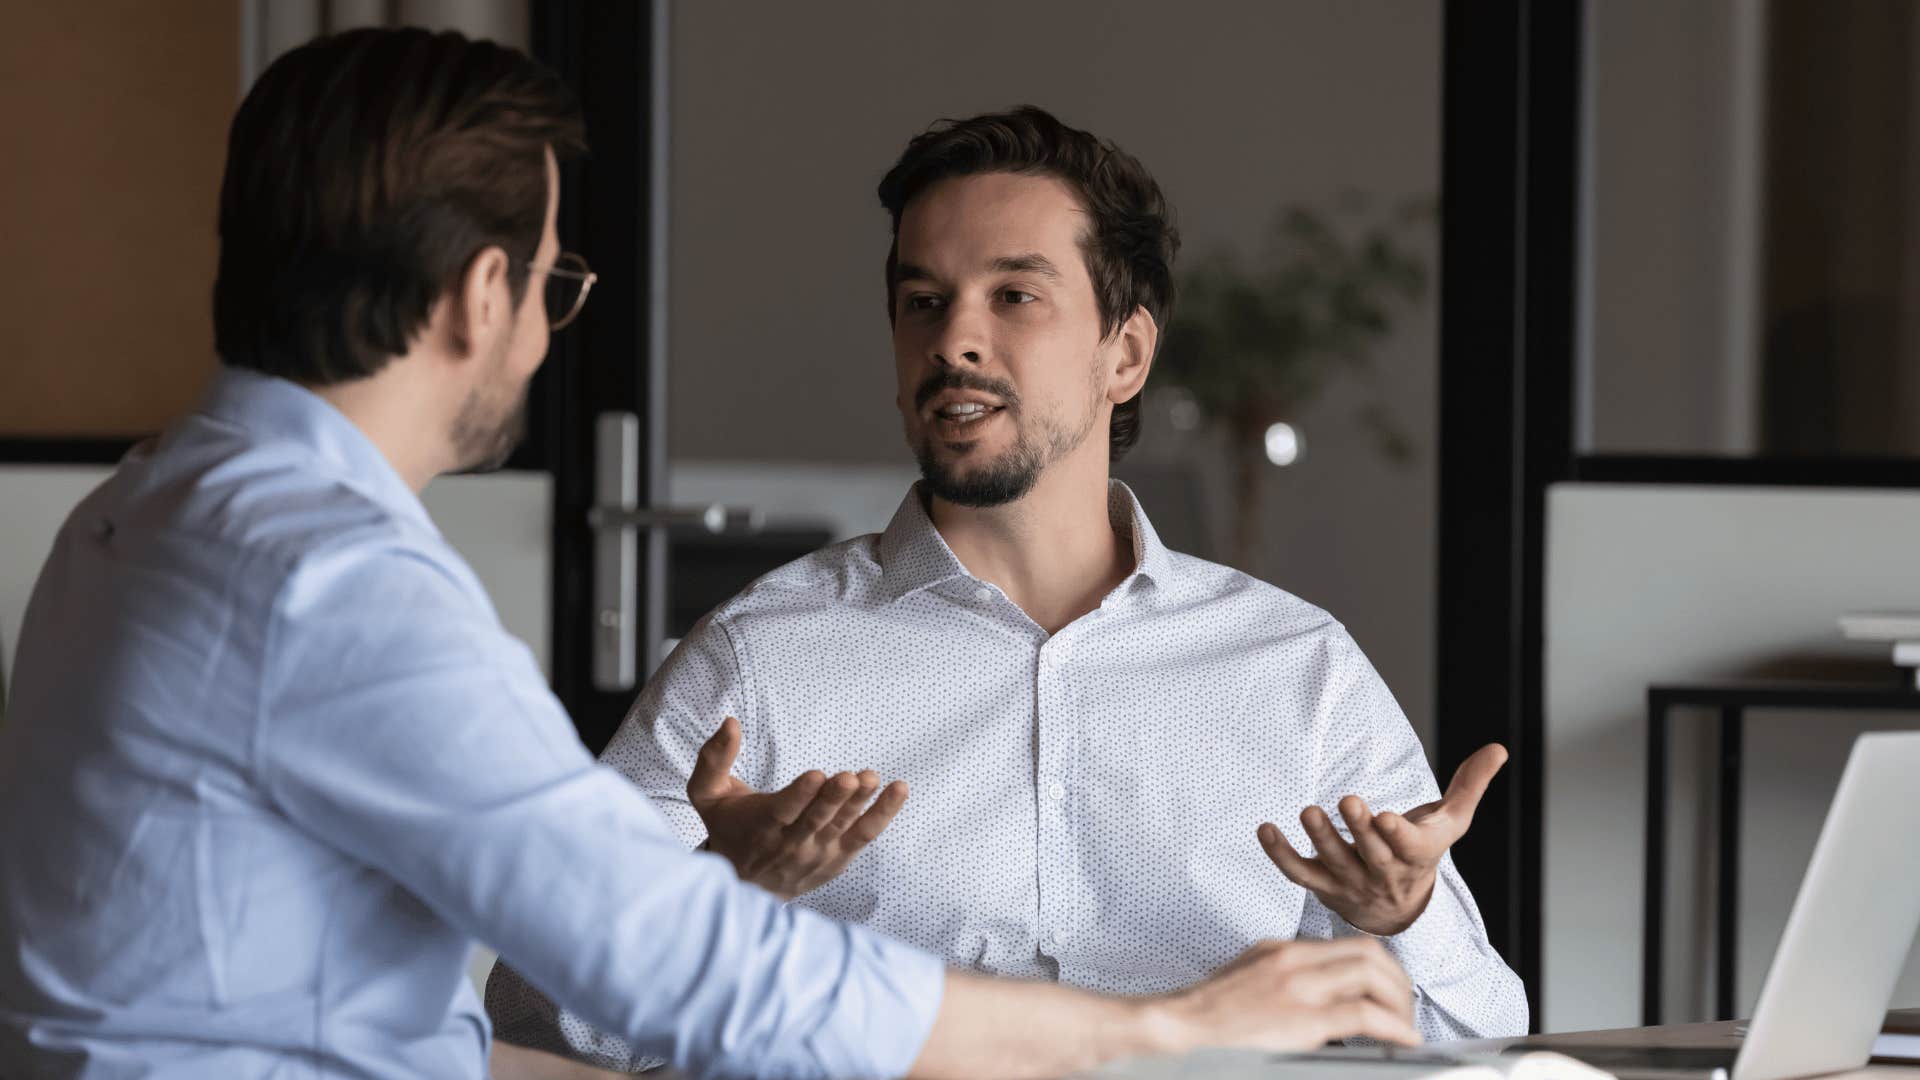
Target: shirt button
1056,791
983,594
1058,938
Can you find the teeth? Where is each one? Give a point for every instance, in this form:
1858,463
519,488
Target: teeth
969,410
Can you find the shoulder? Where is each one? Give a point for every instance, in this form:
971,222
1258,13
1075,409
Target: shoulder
836,576
304,532
1238,602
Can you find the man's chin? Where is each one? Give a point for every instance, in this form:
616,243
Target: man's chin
979,487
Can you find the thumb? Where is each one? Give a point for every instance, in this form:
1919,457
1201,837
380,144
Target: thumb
1470,782
713,767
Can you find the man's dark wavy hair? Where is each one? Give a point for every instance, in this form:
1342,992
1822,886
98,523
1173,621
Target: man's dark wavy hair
365,171
1129,248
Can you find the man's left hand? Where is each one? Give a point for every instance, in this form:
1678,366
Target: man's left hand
1382,881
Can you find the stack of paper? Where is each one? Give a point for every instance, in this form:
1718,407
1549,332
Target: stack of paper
1900,629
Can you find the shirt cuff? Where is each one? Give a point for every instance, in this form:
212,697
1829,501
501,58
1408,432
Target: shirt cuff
1430,938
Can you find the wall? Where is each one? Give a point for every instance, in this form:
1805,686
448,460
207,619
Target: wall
1665,230
786,115
1663,584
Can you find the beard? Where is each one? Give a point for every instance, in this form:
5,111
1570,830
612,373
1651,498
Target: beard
490,425
1005,479
1013,473
486,449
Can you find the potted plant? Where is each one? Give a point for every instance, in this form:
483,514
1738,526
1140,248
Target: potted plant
1254,341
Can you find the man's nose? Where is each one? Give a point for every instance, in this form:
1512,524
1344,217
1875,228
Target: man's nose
961,341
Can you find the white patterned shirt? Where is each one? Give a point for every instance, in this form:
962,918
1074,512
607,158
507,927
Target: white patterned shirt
1082,805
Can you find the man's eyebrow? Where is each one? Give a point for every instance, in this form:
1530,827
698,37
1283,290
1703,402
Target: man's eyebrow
910,272
1030,263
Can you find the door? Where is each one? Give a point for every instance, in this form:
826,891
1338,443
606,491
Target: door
599,403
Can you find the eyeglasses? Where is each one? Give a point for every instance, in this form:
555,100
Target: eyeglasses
568,282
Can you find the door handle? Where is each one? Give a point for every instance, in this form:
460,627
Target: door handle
617,520
715,518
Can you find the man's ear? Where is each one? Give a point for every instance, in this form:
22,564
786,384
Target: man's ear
479,308
1131,355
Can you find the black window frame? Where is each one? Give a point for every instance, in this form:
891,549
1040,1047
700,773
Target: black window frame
1512,171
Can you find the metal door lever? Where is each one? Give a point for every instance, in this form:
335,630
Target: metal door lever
617,522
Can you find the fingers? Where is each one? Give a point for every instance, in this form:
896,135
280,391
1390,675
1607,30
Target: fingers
1407,840
1335,984
1351,986
1299,869
787,804
1470,782
868,826
824,807
1351,977
1367,840
1298,955
713,766
1333,850
869,783
1366,1018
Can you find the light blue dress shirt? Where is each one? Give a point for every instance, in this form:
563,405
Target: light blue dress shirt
272,765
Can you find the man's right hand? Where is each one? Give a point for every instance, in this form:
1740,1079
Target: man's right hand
793,840
1279,995
1295,995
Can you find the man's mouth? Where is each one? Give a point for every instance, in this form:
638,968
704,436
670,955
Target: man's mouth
966,412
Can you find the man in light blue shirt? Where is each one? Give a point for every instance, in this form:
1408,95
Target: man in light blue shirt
272,765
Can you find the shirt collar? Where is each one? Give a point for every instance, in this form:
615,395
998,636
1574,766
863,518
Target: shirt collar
275,410
914,556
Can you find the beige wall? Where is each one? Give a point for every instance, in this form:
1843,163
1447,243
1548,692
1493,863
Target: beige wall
786,115
116,117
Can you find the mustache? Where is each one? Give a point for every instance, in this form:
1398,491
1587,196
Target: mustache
941,381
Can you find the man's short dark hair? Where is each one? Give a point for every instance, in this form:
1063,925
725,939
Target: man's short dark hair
1129,248
365,171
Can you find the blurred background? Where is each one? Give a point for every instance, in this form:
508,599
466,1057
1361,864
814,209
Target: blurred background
1584,359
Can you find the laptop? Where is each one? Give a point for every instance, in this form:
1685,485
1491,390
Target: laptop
1827,991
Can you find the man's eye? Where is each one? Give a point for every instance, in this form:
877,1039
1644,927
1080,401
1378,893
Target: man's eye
1015,296
922,302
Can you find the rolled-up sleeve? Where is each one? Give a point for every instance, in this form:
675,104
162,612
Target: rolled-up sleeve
401,725
700,683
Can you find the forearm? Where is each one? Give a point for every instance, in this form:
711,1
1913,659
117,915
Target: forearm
990,1027
525,1017
510,1062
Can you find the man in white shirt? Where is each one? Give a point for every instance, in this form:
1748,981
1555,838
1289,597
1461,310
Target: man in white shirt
272,765
1098,732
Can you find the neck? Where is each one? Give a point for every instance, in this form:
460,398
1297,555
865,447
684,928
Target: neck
1053,552
386,409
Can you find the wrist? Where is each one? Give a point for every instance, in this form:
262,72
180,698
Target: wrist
1391,923
1154,1025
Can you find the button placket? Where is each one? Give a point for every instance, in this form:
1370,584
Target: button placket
1055,734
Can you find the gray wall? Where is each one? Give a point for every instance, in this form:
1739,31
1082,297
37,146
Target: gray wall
1666,230
786,115
1670,584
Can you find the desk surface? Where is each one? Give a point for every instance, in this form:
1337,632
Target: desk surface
1721,1035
